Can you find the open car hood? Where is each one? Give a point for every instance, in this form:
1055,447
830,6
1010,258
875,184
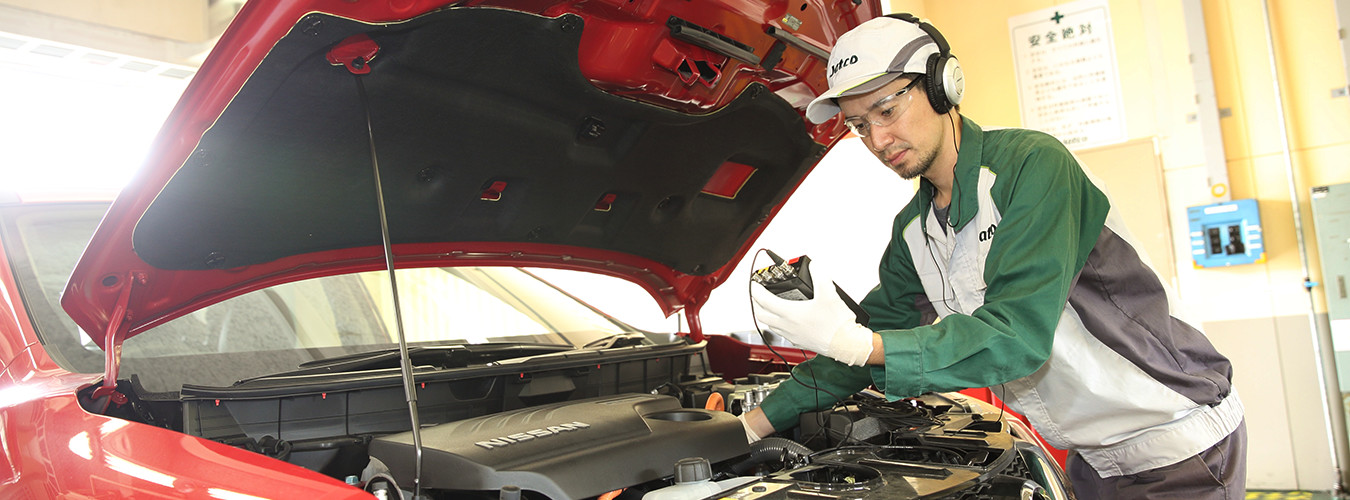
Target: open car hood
648,140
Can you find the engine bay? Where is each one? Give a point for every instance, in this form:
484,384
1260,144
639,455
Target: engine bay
577,449
619,423
936,446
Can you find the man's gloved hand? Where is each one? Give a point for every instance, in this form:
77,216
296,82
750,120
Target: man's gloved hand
823,324
750,435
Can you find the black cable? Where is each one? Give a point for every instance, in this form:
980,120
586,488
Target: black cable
956,181
902,414
920,452
955,144
951,200
791,372
942,279
957,187
1001,402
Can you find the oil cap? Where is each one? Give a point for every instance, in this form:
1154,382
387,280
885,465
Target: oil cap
692,470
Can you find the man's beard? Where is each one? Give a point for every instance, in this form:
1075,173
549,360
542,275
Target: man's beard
921,165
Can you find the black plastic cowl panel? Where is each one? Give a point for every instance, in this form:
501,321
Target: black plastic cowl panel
568,450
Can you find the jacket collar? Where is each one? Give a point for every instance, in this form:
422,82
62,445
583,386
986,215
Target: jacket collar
965,200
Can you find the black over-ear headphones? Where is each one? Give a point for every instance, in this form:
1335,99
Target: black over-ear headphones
944,82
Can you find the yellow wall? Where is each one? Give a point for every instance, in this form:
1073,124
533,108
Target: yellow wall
1256,314
1310,66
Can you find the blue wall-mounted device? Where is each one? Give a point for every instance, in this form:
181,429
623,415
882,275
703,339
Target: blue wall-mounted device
1226,234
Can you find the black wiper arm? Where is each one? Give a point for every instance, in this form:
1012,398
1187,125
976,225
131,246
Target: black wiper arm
597,347
616,340
343,362
445,356
369,360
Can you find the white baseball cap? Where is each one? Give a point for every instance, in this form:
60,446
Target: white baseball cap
868,57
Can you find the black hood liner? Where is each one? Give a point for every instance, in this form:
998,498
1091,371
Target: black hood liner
460,99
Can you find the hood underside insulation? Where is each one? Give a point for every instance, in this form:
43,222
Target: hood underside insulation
486,131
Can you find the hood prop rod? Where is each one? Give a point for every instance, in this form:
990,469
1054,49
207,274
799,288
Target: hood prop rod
405,361
360,49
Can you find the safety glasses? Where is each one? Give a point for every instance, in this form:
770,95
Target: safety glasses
883,112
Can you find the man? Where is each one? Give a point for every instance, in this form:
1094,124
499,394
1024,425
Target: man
1039,288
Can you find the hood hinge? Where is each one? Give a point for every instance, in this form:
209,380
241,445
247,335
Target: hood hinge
693,307
691,312
118,324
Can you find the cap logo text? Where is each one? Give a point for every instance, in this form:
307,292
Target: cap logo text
853,59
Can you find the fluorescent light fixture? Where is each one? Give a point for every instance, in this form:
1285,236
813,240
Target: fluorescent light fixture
79,119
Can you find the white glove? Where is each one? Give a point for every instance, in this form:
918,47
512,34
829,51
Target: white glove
823,324
750,436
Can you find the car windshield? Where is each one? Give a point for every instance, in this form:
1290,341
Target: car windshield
280,327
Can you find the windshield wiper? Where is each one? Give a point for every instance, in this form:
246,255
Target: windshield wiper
616,340
444,356
621,342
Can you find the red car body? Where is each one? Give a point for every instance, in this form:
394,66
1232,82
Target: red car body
675,62
52,447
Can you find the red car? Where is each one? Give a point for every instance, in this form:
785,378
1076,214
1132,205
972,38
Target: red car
233,330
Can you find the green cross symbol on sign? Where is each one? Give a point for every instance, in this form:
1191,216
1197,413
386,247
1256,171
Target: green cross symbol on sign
1057,17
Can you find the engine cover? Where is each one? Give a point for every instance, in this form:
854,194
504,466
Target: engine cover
575,449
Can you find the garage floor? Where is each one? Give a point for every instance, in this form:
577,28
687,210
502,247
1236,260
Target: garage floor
1287,495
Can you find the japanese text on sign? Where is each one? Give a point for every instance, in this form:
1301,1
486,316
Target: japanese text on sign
1067,84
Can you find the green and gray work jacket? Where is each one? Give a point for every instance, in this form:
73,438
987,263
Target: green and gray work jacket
1043,295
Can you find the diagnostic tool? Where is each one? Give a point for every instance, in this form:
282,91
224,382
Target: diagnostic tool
791,280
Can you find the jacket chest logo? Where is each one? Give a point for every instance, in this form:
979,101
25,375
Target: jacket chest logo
988,234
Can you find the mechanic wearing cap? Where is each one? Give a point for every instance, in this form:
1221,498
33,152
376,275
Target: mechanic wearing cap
1040,289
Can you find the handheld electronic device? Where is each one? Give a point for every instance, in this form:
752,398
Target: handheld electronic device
791,280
